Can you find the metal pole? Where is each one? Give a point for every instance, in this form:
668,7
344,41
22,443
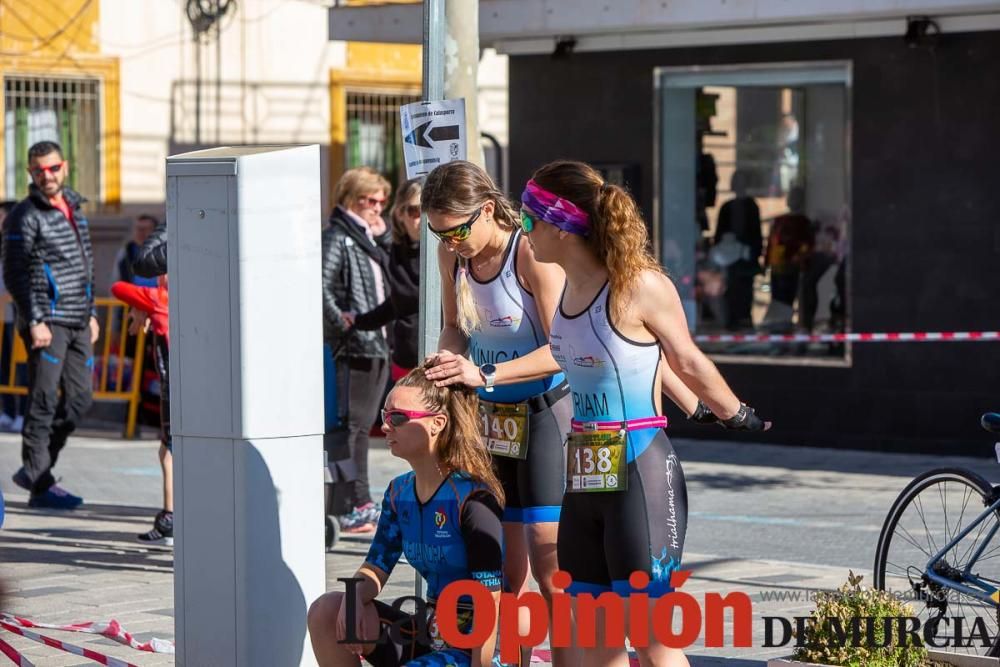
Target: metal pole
462,68
451,45
446,22
430,279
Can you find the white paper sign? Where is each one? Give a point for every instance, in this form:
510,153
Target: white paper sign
433,134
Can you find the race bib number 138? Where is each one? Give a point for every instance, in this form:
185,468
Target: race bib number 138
596,462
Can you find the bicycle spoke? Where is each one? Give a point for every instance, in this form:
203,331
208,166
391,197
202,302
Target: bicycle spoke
902,570
942,493
930,539
992,550
912,540
965,504
972,547
958,525
992,553
986,555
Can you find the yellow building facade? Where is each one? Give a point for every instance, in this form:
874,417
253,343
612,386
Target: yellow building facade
62,83
57,85
377,79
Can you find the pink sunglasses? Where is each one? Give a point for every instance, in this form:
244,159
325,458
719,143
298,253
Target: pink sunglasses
398,417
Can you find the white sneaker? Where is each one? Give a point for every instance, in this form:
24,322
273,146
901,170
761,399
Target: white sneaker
18,424
6,422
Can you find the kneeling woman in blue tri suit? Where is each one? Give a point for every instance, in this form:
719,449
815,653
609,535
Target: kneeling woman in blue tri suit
444,516
498,303
625,507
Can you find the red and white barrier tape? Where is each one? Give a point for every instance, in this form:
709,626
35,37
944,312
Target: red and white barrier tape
889,337
14,656
109,629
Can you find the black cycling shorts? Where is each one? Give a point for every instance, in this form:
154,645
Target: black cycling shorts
605,537
534,487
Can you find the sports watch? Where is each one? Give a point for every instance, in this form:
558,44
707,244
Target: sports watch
489,373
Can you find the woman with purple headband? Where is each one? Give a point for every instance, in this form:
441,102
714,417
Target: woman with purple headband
618,320
498,303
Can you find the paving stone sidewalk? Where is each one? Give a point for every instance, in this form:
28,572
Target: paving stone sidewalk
72,567
62,567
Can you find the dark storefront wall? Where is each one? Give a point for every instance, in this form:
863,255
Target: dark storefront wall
925,252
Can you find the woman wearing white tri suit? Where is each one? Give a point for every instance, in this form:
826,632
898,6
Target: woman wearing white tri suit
625,507
498,303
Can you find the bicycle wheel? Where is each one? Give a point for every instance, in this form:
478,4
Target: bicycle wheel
930,512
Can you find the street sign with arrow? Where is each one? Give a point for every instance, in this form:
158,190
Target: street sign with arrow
433,134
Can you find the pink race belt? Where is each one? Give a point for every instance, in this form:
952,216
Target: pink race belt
629,425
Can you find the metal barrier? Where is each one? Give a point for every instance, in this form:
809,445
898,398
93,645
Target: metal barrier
110,363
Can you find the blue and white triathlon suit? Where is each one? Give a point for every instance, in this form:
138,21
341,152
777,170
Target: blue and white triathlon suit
510,327
605,537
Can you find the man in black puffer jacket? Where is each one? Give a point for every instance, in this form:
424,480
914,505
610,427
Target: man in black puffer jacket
48,267
354,281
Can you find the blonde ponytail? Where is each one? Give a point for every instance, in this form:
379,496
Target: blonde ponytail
468,315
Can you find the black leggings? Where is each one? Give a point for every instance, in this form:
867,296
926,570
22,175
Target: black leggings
534,487
605,537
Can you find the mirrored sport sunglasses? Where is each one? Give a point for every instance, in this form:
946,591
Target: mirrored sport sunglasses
460,232
398,417
527,222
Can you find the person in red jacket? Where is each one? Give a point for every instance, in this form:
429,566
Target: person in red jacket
150,310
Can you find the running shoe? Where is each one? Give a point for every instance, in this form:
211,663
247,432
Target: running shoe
162,532
371,512
357,521
55,498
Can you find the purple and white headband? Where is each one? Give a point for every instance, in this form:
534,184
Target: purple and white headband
555,210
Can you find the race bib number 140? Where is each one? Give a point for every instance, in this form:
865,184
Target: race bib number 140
504,428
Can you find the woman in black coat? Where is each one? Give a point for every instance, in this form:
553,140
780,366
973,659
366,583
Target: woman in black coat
402,273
